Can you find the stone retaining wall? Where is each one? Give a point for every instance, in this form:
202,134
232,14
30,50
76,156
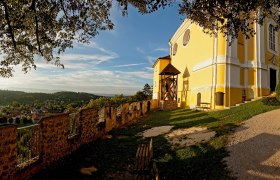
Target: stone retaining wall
168,105
8,150
55,138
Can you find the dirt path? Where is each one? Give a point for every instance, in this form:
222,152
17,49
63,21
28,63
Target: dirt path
255,147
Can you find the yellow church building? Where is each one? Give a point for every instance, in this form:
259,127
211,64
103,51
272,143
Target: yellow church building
204,70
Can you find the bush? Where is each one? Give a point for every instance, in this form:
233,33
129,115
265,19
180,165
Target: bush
271,101
3,120
277,90
18,121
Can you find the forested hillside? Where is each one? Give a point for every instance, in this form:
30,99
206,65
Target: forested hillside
7,97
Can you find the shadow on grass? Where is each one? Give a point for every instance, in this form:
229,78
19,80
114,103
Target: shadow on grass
187,117
190,123
203,161
203,166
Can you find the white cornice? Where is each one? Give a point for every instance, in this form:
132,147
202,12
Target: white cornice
254,64
185,24
231,61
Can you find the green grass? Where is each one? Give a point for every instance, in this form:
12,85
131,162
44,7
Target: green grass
202,161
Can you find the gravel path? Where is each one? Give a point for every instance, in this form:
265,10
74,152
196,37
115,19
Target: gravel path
255,148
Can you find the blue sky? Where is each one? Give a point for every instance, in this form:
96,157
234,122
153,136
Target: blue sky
115,62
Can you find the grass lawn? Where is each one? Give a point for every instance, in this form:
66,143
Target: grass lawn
115,156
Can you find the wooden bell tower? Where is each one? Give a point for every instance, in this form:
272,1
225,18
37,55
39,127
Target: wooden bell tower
168,86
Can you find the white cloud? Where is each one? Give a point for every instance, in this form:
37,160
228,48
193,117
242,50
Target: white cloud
96,80
129,65
140,50
151,59
81,75
138,74
98,58
94,45
162,49
149,68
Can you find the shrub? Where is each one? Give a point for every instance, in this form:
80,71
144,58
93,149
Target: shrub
271,101
3,120
277,90
18,121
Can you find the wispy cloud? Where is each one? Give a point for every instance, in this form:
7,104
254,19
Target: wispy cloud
149,68
129,65
139,49
94,45
151,59
98,58
83,59
81,74
162,49
96,80
138,74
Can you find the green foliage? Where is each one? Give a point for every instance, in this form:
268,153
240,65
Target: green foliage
140,96
277,89
108,101
3,120
100,102
271,101
25,120
45,28
15,98
17,121
148,91
119,99
145,94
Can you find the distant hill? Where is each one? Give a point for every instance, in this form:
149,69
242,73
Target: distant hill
7,97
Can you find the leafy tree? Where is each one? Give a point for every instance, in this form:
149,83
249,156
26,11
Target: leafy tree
18,121
30,28
147,90
25,120
100,102
3,120
119,99
69,108
140,96
277,89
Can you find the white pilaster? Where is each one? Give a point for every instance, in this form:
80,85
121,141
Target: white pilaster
245,62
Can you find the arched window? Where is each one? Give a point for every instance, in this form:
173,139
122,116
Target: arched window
175,49
271,37
198,99
186,37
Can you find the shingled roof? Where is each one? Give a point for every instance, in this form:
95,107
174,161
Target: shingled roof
165,57
169,70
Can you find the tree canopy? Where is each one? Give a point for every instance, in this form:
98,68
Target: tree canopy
30,29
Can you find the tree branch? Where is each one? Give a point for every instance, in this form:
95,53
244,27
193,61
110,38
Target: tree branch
33,7
37,34
9,23
64,11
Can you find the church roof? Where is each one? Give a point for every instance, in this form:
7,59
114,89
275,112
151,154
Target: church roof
165,57
169,70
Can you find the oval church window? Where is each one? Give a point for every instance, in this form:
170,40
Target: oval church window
175,49
186,37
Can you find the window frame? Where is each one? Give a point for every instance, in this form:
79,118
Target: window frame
174,49
272,38
186,42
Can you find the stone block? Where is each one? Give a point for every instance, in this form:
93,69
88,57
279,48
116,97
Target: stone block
168,105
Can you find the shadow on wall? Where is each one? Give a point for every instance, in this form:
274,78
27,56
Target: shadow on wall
59,135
